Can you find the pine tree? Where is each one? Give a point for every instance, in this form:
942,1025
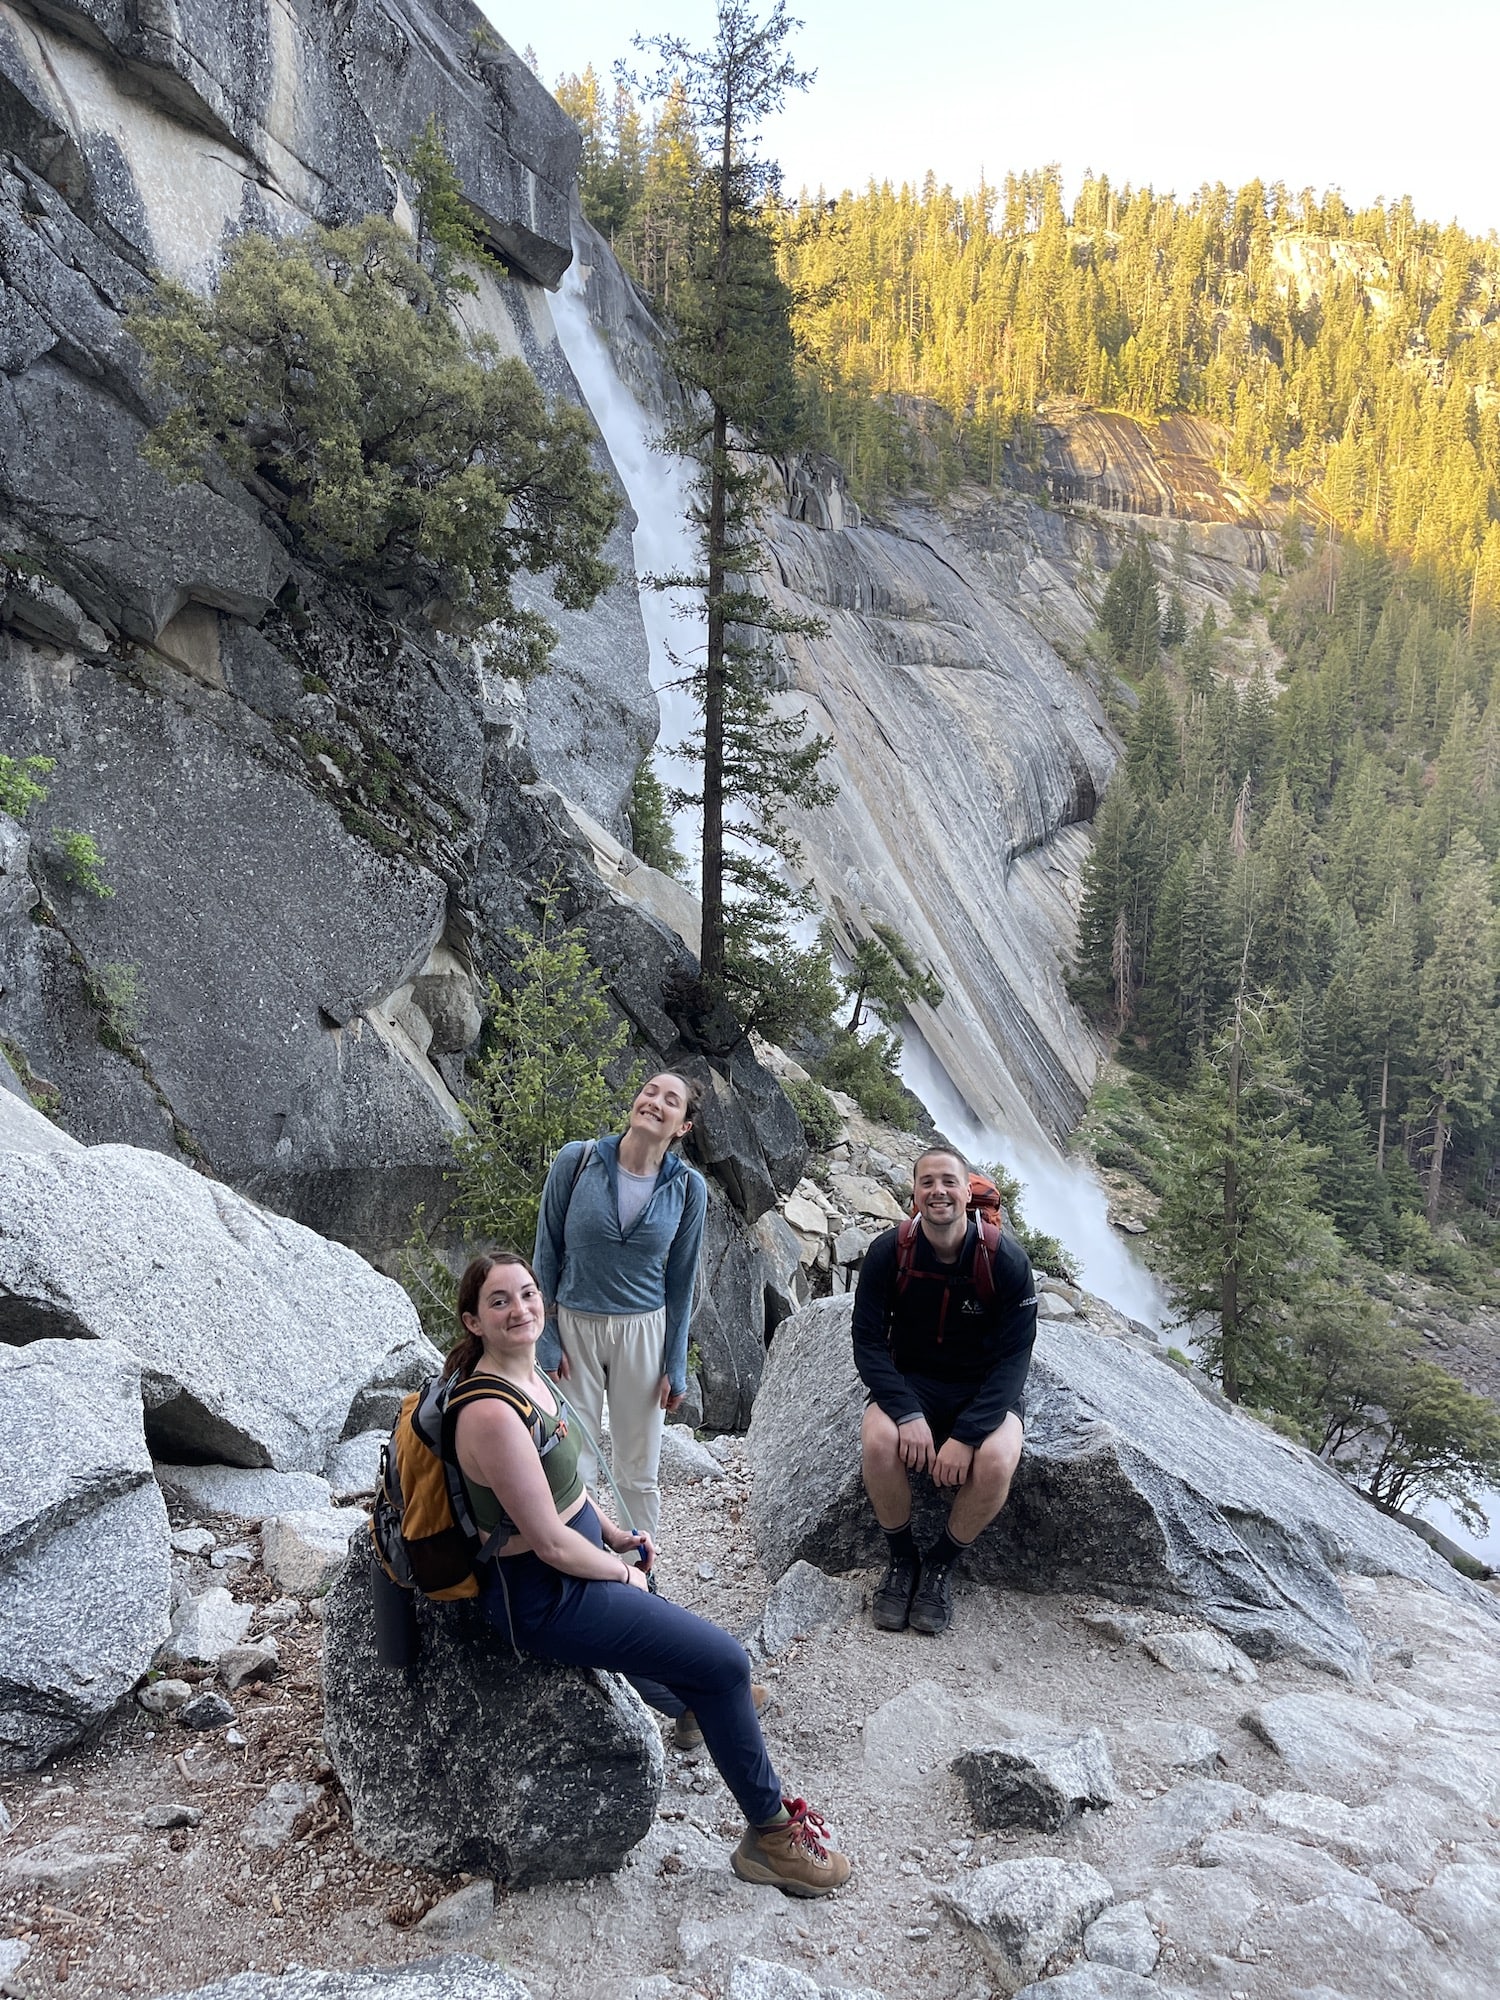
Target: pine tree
1106,928
1174,621
731,344
1130,614
1255,747
1437,1438
1385,1007
1238,1232
1458,1033
1282,952
887,974
1350,1185
1153,755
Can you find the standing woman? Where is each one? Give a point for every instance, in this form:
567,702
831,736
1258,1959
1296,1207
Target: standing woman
617,1244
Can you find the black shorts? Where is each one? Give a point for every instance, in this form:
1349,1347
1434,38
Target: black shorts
943,1403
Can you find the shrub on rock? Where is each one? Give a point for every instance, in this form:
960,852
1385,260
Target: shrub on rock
326,371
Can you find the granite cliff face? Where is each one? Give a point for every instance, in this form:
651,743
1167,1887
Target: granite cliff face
969,751
318,822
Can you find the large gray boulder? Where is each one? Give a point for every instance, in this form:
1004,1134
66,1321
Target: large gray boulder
85,1556
451,1977
1133,1485
253,1335
476,1760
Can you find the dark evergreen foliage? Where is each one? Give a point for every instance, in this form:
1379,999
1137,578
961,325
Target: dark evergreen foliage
1340,844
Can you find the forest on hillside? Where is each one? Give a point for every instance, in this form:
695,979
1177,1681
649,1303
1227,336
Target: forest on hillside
1351,357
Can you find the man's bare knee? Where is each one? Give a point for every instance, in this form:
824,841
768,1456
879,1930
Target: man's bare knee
996,1460
879,1438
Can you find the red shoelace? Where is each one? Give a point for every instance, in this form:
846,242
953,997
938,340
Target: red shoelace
808,1828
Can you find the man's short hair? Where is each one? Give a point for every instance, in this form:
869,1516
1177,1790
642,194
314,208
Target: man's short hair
949,1152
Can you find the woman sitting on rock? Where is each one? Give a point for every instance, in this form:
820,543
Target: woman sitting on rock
559,1586
617,1244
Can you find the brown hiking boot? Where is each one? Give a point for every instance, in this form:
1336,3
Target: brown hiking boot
688,1736
794,1857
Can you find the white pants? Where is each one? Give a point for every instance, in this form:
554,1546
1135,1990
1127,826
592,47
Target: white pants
618,1356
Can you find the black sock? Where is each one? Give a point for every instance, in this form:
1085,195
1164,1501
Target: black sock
944,1551
903,1543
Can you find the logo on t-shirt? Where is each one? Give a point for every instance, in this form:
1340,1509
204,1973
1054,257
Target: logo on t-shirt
972,1309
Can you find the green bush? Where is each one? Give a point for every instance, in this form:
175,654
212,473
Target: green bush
866,1071
328,374
19,787
79,857
540,1079
119,993
444,217
44,1095
819,1114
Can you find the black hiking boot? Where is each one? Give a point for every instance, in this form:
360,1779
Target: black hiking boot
893,1594
932,1606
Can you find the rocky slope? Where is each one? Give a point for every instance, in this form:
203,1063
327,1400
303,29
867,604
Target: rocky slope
320,825
1185,1823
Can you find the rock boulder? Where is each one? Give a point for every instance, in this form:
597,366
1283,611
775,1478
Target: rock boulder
253,1334
1042,1784
1023,1912
475,1760
85,1559
1133,1485
451,1977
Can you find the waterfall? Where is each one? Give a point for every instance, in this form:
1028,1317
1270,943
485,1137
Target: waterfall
1062,1196
658,489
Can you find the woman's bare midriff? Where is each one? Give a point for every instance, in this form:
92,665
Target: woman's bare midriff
518,1545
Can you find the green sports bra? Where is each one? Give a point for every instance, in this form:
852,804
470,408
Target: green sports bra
559,1448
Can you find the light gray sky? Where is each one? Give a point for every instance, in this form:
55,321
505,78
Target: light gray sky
1380,98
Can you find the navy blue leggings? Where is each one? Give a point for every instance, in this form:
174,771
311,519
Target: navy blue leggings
672,1658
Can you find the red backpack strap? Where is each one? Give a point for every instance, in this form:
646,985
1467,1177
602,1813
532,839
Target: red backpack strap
906,1250
983,1270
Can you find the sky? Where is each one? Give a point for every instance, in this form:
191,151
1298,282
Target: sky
1377,99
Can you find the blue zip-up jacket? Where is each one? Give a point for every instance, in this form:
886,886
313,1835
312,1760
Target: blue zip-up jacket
585,1262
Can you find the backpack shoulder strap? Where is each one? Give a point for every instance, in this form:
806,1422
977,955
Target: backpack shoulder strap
469,1391
985,1247
590,1147
906,1250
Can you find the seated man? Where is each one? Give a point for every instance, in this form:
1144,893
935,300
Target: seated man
944,1355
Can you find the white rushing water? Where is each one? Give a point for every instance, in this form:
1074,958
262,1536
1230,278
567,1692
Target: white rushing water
658,486
1062,1196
